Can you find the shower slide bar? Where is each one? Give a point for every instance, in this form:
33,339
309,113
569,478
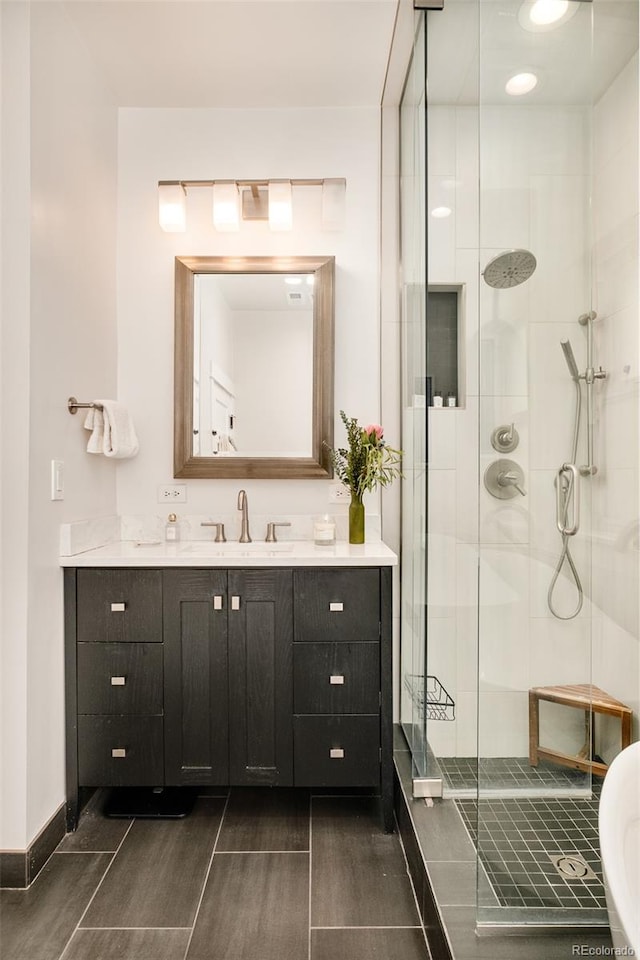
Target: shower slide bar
590,376
567,490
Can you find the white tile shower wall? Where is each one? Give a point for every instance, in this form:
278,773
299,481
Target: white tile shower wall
534,194
161,143
616,490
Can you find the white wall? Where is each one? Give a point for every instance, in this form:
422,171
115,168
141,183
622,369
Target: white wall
240,144
60,329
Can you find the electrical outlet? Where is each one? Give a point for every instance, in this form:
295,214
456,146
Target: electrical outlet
172,493
338,493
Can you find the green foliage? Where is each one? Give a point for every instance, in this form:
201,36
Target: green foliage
367,462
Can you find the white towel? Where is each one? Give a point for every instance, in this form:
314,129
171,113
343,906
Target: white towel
112,431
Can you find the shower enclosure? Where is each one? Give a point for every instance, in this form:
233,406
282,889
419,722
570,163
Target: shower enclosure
519,213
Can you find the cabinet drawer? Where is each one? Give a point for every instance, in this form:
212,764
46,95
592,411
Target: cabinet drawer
120,678
119,605
120,751
336,605
336,677
336,751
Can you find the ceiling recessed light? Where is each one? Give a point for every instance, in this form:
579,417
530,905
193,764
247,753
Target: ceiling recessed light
540,15
548,11
520,84
441,212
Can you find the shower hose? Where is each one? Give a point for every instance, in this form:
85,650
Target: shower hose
565,553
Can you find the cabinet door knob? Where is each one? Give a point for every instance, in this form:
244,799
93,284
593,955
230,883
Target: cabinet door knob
217,603
336,606
118,607
336,678
235,603
336,753
118,681
118,752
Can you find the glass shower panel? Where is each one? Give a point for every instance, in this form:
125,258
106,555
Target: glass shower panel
414,481
534,782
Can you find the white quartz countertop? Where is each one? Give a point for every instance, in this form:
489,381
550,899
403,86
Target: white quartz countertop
206,553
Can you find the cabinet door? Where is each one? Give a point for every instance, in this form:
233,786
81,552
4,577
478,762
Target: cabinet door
195,677
260,677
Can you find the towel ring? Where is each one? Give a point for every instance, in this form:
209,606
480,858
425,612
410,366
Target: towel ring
74,405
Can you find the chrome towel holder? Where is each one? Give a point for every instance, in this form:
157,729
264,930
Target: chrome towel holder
74,405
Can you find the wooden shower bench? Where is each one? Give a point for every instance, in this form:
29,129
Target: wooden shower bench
585,697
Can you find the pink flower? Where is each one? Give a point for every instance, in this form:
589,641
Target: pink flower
374,429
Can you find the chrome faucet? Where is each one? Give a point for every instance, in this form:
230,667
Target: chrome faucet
243,505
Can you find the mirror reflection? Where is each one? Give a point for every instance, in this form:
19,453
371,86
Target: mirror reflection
253,365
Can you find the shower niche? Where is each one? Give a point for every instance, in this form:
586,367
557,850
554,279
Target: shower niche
444,380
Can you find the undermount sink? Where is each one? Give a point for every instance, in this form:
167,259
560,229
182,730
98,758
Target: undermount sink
209,548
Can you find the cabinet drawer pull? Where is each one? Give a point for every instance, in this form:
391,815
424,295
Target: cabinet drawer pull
336,606
336,679
336,753
217,603
235,603
118,681
118,607
118,752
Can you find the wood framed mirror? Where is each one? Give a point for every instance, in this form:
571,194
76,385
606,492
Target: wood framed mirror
253,367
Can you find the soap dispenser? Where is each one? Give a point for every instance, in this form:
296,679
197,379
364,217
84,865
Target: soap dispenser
172,528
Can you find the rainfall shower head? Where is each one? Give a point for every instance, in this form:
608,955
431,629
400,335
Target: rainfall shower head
509,269
571,360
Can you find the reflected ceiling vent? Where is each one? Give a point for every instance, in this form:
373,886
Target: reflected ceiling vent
509,269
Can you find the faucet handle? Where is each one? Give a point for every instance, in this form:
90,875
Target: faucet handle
271,530
220,537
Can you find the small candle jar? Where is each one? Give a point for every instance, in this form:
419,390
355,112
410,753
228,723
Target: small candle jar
324,531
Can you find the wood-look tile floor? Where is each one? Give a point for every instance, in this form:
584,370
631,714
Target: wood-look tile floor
254,874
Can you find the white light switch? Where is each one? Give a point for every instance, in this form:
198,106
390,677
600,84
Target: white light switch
57,479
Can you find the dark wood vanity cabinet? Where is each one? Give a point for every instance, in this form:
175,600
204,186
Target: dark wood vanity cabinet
191,676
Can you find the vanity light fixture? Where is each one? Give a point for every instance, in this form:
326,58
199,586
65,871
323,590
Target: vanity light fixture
333,205
520,84
280,205
226,206
236,200
172,206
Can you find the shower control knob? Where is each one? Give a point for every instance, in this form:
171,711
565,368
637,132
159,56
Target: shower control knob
504,479
511,480
504,439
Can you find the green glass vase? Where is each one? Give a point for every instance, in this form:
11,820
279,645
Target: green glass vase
356,520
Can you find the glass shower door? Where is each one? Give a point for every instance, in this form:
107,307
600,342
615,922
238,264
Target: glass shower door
535,453
414,400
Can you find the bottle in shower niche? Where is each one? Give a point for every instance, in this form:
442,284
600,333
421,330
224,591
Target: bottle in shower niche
451,399
172,529
437,399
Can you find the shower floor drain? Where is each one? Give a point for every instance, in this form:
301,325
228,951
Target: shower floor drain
571,866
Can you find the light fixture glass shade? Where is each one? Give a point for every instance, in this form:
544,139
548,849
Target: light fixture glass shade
280,205
333,204
172,207
226,206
